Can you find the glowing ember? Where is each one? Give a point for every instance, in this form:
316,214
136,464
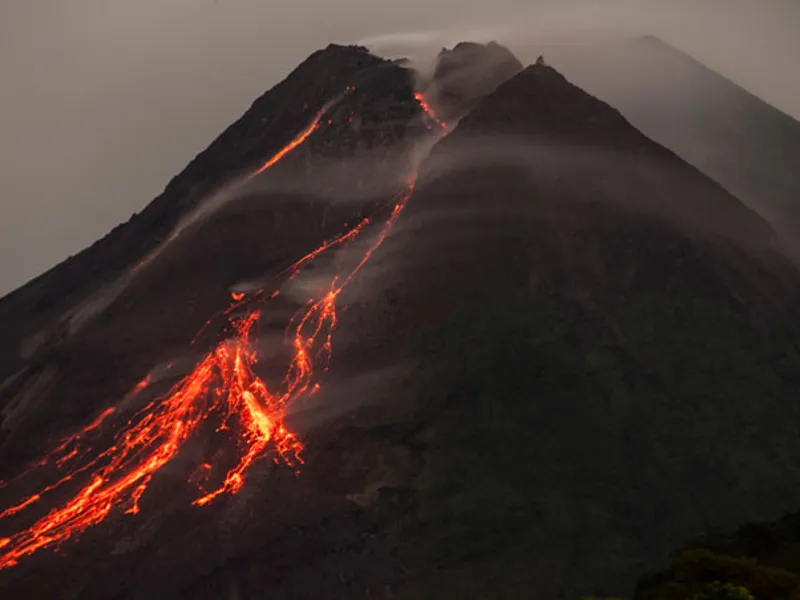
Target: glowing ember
222,388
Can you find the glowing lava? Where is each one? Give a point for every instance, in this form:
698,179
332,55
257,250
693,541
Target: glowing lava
222,389
312,127
426,107
222,386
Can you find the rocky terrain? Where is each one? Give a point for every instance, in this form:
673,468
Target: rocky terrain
598,357
573,351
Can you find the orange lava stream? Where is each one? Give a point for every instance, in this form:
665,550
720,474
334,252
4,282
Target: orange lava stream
327,245
222,384
425,105
223,388
312,127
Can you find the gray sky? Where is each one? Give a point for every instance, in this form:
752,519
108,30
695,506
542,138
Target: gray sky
103,101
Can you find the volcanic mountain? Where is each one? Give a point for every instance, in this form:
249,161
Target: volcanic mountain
735,137
490,341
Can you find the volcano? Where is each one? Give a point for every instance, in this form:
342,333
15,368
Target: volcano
735,137
473,335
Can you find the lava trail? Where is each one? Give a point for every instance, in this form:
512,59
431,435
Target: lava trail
313,126
426,106
222,389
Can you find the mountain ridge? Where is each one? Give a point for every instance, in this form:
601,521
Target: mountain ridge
573,366
710,121
246,142
665,46
580,367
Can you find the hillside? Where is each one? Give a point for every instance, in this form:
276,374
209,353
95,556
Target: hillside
270,123
163,306
728,133
603,371
549,351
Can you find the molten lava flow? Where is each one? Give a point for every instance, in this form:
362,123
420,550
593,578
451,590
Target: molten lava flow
293,144
273,160
223,388
60,455
426,107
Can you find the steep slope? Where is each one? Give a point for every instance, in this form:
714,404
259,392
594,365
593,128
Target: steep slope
605,343
728,133
132,315
143,320
270,123
543,150
137,318
538,375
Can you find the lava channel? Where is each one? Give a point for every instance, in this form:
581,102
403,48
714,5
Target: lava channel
222,388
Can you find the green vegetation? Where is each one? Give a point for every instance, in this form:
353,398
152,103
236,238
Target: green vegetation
723,591
761,559
705,575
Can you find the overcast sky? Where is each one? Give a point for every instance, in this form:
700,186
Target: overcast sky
103,101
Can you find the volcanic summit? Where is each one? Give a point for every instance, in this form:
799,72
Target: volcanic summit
469,336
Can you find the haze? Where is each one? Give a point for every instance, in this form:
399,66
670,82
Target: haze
103,102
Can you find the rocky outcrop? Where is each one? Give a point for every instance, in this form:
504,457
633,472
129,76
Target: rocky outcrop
468,72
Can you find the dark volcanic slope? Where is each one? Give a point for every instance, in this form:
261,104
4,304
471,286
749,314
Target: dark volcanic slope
299,542
615,207
276,220
727,132
270,123
600,342
288,538
602,371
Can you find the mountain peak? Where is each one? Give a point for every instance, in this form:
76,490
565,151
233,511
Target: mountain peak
653,39
345,50
555,286
548,103
568,129
469,71
473,56
379,91
713,123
